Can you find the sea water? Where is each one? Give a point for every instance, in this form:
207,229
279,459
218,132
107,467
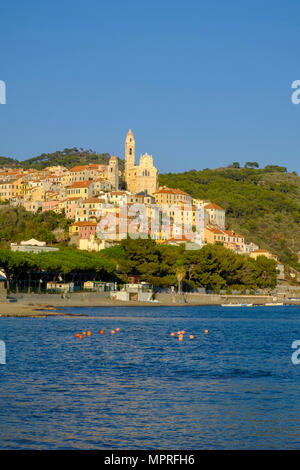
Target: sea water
232,388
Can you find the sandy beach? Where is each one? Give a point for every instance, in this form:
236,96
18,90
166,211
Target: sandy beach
39,306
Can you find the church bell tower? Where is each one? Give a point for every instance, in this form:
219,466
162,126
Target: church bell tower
129,154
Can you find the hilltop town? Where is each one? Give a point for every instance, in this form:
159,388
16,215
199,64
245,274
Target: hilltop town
97,192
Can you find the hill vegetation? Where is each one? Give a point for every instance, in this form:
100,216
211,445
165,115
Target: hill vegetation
9,162
261,204
17,224
68,157
212,267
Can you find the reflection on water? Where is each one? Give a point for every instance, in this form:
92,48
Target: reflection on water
235,387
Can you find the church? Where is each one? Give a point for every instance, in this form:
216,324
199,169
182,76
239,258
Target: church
142,177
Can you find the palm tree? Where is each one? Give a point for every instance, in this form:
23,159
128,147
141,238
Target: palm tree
180,274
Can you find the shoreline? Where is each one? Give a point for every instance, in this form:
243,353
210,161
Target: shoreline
33,306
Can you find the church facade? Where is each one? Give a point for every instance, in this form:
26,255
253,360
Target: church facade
142,177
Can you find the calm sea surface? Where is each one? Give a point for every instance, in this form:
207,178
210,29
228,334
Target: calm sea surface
233,388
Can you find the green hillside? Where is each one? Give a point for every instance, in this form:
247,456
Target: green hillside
262,204
9,162
67,157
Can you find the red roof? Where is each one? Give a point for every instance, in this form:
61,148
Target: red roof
214,230
84,224
232,234
213,206
91,200
78,168
172,191
80,184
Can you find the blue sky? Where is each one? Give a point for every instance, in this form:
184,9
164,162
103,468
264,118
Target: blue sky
200,83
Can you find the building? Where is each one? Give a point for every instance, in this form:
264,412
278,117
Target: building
32,245
83,229
141,292
83,189
142,198
60,286
94,243
266,253
113,172
171,196
141,177
99,286
232,240
216,215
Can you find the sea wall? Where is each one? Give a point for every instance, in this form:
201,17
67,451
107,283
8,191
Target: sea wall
212,299
94,299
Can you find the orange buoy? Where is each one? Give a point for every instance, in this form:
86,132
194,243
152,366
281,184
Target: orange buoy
112,332
178,333
172,334
89,333
180,337
182,332
206,331
101,332
84,333
79,336
191,337
117,329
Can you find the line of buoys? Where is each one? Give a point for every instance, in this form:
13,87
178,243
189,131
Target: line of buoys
181,334
88,333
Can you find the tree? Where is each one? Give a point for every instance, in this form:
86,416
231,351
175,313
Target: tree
251,165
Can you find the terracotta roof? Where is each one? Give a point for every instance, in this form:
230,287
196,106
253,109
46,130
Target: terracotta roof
232,234
78,168
94,165
91,199
214,230
213,206
80,184
75,198
84,224
172,191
